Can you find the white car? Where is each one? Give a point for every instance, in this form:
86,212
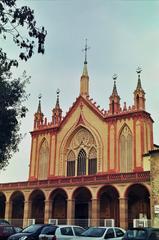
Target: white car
61,232
102,233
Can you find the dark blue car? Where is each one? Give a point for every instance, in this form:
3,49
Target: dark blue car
31,232
142,234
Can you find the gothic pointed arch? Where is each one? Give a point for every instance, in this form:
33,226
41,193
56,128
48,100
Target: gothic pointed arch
71,163
126,149
92,161
81,153
43,160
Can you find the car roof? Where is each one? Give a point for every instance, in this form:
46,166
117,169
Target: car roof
62,225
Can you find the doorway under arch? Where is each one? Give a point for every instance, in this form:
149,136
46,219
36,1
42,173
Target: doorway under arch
17,200
138,203
37,199
82,198
108,204
59,206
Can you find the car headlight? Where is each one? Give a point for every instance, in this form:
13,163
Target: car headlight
23,238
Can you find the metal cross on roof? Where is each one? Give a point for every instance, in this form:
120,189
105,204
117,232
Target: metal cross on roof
85,50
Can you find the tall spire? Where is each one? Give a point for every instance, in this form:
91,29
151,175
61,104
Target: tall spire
38,116
139,94
84,83
139,87
114,92
39,105
114,104
57,111
57,99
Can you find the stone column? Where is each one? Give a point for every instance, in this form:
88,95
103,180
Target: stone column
95,212
48,208
123,212
154,179
70,211
27,213
8,211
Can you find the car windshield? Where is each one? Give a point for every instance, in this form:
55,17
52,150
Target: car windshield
31,228
94,232
136,233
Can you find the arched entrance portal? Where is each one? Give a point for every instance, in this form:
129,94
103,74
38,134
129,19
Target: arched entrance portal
138,203
109,204
59,206
2,205
17,212
37,199
82,198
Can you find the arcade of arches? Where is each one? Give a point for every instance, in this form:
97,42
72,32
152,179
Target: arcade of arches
77,204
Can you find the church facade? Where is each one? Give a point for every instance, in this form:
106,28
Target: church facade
89,167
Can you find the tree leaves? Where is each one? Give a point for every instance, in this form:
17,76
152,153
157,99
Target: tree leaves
14,22
13,19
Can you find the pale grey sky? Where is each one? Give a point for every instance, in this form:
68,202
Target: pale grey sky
121,34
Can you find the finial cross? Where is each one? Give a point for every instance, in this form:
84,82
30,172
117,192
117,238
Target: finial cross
85,51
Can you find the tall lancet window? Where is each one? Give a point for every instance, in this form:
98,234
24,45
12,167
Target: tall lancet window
126,150
81,163
43,161
92,161
71,164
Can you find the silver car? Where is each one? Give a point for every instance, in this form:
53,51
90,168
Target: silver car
61,232
102,233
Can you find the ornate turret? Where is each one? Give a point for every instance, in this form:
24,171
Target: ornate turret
57,111
38,116
114,104
84,82
139,94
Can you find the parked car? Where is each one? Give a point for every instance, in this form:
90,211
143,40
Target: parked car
61,232
6,231
101,233
142,234
29,233
4,222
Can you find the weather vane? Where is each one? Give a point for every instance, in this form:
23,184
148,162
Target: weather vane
115,76
58,91
40,96
85,50
139,70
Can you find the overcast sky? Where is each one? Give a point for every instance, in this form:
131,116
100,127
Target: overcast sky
122,35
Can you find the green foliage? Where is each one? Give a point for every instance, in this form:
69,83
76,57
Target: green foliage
14,23
12,109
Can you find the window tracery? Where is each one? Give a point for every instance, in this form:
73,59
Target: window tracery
82,154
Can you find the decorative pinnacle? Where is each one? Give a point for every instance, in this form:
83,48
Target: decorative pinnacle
85,51
114,87
39,105
57,101
139,70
